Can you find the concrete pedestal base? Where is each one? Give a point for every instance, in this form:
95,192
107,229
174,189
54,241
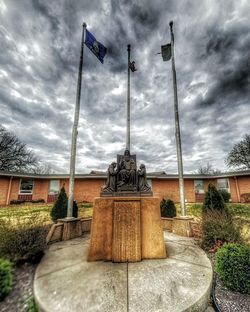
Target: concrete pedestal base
181,226
72,228
126,229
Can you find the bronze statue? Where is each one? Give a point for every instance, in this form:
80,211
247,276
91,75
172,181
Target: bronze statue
110,185
142,180
126,180
127,170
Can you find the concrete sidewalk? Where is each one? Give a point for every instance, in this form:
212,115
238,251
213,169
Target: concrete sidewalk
65,281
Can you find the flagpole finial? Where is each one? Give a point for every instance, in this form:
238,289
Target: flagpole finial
84,25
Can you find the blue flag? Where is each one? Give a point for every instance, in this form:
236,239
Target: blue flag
96,47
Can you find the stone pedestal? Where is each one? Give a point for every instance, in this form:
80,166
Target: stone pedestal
72,228
126,229
181,226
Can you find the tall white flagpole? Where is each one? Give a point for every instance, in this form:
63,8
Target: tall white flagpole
74,130
177,129
128,103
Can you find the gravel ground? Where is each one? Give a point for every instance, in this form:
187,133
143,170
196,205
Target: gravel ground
231,301
22,289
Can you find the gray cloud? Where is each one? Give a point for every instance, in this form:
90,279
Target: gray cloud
40,47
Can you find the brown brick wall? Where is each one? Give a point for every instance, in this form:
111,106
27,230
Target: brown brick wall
244,184
4,185
15,189
170,189
87,190
40,189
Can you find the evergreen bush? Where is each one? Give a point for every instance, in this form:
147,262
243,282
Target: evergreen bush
233,266
59,210
225,195
5,278
218,226
213,199
168,209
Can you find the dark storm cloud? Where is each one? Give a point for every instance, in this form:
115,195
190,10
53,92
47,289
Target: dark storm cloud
40,48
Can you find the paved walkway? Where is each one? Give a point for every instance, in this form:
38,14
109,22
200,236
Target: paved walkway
66,282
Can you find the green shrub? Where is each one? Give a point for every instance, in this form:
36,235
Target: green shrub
225,195
218,226
38,201
31,305
23,239
168,209
213,199
17,202
5,278
59,210
232,265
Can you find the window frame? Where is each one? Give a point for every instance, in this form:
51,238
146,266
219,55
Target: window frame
223,188
20,184
50,191
199,191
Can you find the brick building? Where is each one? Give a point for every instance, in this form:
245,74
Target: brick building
14,186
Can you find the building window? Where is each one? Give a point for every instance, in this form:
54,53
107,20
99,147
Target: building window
26,186
54,187
199,186
223,184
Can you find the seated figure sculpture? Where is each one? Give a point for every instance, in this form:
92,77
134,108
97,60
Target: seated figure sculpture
127,173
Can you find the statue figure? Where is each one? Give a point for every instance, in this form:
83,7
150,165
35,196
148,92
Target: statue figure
142,180
127,170
110,185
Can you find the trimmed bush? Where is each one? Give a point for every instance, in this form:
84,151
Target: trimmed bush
5,278
168,209
232,265
218,226
17,202
213,199
59,210
23,239
225,195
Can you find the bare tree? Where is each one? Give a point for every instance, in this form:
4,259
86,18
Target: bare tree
42,169
208,170
239,156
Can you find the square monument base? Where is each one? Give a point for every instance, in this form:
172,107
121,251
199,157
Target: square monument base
126,229
181,226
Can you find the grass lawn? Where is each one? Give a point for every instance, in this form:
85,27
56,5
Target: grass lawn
41,211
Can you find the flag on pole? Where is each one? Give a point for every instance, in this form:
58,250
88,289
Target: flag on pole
166,52
132,66
95,46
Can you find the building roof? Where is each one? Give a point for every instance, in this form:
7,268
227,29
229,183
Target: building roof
102,175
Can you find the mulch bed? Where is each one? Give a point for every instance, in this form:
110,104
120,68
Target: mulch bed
22,289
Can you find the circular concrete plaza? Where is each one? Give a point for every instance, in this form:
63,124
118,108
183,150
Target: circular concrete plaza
66,282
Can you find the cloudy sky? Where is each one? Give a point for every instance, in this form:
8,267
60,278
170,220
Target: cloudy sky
40,48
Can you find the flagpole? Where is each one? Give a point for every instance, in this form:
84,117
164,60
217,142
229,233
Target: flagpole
177,129
74,130
128,103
